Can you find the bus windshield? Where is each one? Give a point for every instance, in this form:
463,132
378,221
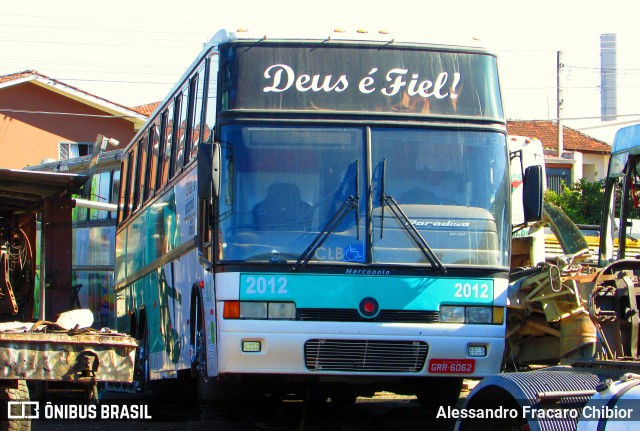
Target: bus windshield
284,188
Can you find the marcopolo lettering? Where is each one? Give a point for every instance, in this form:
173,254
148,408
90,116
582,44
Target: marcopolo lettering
368,271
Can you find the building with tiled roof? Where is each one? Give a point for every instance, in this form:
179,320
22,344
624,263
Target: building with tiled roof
42,118
547,132
580,156
147,109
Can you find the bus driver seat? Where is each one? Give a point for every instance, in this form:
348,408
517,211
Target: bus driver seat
282,209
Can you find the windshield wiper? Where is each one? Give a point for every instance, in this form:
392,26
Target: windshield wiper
405,222
353,201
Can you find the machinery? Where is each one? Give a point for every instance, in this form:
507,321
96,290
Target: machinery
573,325
46,345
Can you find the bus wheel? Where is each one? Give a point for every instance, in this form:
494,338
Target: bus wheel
15,391
439,391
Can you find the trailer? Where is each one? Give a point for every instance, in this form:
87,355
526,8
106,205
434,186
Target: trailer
44,342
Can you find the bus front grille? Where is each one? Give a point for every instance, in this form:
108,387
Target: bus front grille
365,355
351,315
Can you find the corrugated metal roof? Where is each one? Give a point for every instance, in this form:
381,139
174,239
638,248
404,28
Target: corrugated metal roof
26,190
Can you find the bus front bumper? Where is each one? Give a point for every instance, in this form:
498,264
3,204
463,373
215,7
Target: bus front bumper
401,349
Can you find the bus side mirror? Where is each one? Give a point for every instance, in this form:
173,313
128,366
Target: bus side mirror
215,169
532,193
208,171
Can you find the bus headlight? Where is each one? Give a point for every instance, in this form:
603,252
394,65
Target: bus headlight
282,310
452,313
253,310
259,310
478,315
470,314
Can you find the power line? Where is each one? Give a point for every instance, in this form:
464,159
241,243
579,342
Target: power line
170,18
608,69
115,45
84,29
68,114
115,81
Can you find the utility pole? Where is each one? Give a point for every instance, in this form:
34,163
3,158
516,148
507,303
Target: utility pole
560,66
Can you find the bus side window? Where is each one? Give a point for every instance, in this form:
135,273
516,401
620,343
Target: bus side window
131,181
197,92
115,189
122,200
154,154
143,147
182,114
135,178
100,185
210,106
167,135
173,115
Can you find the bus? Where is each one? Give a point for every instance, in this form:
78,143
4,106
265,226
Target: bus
617,233
527,245
323,217
93,234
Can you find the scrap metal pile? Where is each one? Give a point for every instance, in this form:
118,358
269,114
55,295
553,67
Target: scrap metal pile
558,311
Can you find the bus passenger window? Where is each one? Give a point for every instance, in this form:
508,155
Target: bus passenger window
154,155
131,182
182,113
210,106
122,198
115,190
196,123
143,147
100,184
166,144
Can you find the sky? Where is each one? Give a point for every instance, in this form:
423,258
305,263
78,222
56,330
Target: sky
133,51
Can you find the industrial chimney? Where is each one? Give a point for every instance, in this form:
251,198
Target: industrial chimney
608,84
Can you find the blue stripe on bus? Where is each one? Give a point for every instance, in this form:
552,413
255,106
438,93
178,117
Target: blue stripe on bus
346,291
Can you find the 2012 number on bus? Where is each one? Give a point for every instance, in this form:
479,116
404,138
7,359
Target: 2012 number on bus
468,290
264,285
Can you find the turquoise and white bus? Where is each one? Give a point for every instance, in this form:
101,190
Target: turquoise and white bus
319,213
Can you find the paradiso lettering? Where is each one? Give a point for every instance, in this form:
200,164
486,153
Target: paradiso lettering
283,78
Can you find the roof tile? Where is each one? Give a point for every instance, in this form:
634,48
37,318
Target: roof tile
547,133
146,109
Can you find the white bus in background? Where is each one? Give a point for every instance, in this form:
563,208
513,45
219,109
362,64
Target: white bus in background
528,248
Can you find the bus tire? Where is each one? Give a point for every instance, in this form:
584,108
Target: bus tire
15,392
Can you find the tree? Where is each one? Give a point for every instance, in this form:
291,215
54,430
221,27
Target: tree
582,201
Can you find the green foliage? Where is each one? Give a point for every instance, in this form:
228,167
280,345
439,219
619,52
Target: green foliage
582,201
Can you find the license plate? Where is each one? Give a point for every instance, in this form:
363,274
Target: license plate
452,366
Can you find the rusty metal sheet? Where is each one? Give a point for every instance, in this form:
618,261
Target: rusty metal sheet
65,356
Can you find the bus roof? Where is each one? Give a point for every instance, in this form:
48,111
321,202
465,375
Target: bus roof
627,139
360,37
343,36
